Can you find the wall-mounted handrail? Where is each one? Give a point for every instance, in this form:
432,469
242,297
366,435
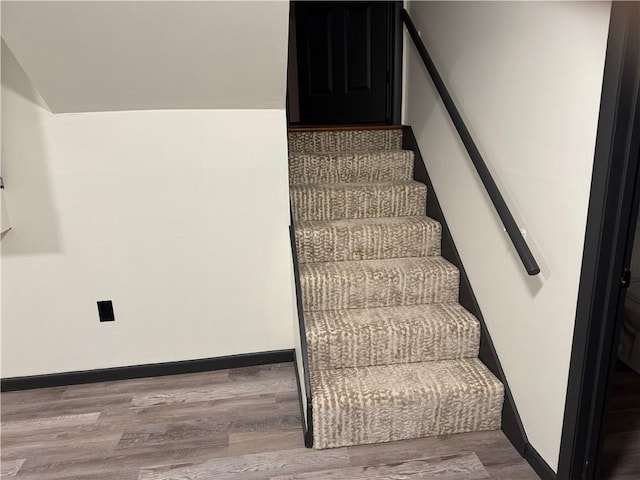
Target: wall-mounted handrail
490,186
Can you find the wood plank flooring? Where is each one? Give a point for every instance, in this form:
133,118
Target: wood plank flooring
230,424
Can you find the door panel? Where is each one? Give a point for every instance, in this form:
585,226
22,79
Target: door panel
319,61
357,48
343,62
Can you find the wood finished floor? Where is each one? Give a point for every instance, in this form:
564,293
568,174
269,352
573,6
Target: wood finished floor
621,448
230,424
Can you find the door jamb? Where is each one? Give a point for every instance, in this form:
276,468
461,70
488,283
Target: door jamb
394,108
613,207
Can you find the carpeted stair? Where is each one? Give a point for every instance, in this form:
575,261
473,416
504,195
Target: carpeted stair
392,354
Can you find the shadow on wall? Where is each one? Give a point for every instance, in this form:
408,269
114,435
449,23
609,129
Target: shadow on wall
28,180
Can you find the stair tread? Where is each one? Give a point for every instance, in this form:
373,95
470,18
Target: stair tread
349,153
422,263
335,201
389,335
381,382
386,184
378,283
357,222
367,238
392,402
342,167
345,140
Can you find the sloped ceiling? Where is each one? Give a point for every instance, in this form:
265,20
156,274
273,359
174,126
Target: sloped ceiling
86,56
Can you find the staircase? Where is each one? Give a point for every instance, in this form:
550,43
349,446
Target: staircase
392,355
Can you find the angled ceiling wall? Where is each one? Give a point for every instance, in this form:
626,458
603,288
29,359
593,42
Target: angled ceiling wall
141,55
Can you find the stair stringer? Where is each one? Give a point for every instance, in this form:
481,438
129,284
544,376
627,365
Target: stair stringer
512,425
306,404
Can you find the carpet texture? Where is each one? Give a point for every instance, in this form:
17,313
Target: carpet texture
345,141
337,201
367,239
392,353
350,167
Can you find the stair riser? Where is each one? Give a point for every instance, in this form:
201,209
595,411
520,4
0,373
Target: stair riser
343,423
350,168
387,403
345,141
334,288
358,201
367,242
395,343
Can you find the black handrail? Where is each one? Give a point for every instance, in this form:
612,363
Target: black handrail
490,186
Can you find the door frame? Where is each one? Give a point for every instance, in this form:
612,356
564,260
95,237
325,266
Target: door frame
396,38
394,61
611,218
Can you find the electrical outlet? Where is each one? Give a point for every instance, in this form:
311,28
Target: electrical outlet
105,311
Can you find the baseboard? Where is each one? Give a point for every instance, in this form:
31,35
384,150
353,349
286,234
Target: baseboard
511,422
542,468
148,370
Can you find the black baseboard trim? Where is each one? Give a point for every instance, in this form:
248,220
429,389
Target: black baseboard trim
148,370
541,467
511,423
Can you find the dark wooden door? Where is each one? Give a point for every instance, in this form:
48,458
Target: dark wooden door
343,62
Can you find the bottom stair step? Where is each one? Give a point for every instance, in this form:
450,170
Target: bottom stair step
353,406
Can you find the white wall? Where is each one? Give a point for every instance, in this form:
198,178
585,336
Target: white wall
86,56
180,217
527,78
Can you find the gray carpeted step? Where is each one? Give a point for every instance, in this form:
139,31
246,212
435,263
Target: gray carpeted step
384,336
358,200
345,140
378,283
367,239
350,167
353,406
